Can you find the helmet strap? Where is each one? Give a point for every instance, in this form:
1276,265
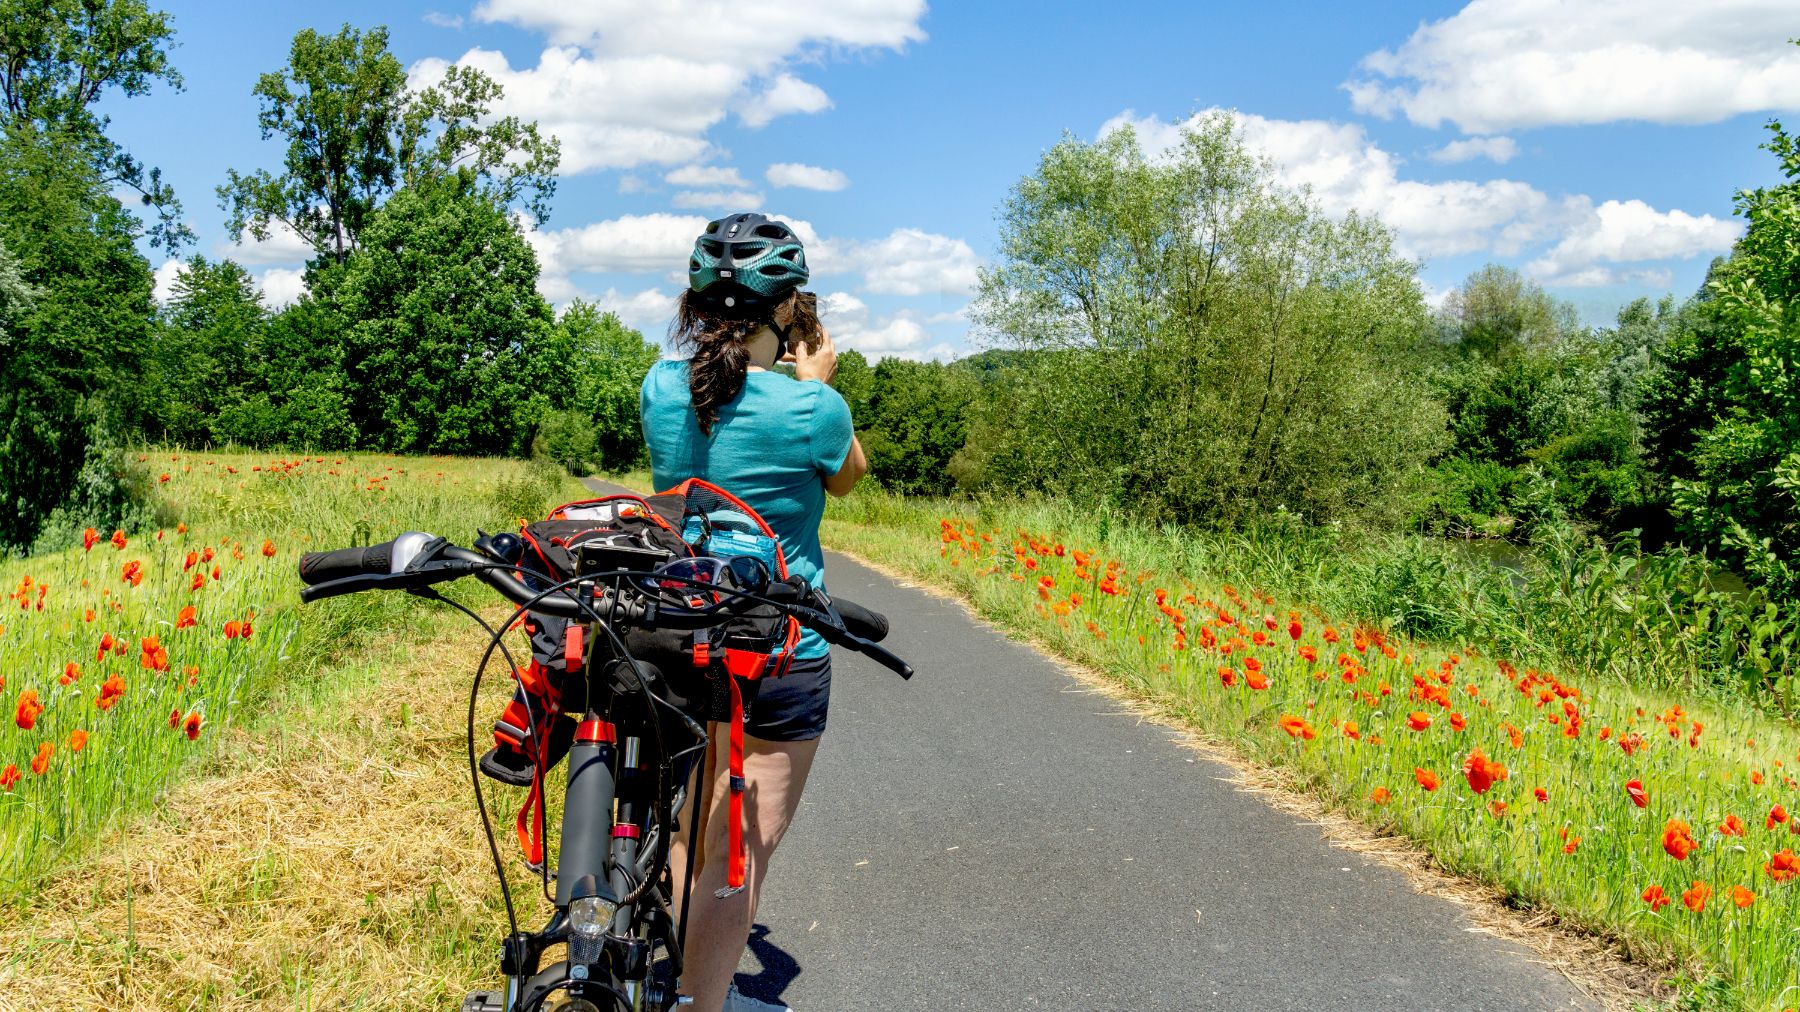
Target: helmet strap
781,339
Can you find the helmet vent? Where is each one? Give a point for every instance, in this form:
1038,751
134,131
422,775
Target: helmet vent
773,232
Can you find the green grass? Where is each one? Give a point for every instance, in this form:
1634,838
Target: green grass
998,555
255,515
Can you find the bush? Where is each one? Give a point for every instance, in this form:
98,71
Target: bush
567,438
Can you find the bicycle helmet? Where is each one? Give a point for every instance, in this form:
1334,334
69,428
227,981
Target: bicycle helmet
745,263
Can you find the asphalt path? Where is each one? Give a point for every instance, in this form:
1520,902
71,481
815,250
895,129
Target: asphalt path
993,835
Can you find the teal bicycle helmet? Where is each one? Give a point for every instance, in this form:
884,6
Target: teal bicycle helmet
743,264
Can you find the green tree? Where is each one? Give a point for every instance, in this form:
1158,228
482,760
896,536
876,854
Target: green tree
297,394
448,346
356,133
1213,346
917,419
1743,497
1496,312
200,361
71,367
609,361
855,382
58,58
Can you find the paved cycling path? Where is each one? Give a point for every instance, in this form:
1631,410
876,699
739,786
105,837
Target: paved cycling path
987,837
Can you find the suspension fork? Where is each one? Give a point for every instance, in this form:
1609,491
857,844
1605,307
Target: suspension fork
587,807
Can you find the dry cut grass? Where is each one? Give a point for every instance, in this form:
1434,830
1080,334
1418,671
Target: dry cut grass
330,858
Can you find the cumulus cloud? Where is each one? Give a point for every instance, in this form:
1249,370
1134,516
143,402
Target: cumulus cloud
909,261
283,246
1501,65
806,177
163,286
281,286
1347,171
719,200
706,175
853,326
632,244
625,84
1495,149
648,311
784,96
442,20
1630,231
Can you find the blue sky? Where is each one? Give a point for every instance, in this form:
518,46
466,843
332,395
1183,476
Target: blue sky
1596,143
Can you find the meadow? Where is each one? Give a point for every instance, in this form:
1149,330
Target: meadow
1656,812
121,660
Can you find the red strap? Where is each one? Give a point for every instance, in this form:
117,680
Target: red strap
734,874
572,647
745,663
528,823
702,649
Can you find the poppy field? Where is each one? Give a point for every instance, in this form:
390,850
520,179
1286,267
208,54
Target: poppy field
122,658
1667,823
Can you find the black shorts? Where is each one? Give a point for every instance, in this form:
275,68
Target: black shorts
792,707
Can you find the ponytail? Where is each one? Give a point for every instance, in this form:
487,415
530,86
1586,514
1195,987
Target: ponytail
720,357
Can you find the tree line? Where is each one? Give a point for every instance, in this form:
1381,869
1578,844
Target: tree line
420,330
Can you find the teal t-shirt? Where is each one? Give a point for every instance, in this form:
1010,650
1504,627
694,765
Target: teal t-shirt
772,447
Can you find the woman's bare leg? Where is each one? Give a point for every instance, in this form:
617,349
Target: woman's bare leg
776,772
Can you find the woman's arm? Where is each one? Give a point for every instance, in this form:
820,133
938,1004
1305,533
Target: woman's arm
855,466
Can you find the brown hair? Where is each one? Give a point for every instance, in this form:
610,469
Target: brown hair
720,352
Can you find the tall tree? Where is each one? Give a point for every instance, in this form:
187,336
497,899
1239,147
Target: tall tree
356,133
201,361
59,57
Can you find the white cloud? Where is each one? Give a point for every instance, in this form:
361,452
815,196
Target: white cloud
284,246
1507,64
625,84
1630,231
648,311
632,184
706,175
723,200
1347,171
1495,149
281,287
784,96
848,320
632,244
442,20
806,177
163,288
914,262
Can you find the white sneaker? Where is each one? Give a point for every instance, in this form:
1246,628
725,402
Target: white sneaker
737,1001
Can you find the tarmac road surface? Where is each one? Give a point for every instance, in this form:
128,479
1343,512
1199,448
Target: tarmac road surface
991,835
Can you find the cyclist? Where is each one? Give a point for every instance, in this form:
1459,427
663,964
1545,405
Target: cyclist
726,415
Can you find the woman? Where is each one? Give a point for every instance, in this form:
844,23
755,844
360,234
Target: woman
780,445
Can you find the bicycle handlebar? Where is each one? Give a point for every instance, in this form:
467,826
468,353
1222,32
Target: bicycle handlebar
414,561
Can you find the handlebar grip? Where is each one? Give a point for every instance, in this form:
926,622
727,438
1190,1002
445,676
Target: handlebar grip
860,621
323,567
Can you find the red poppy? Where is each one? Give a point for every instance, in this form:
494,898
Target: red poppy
1777,816
1426,778
89,538
154,657
1656,897
192,725
77,740
1573,842
40,763
118,540
1296,727
28,709
110,691
1732,826
185,619
1458,722
106,644
1783,865
232,630
1380,796
1695,896
1742,897
1228,678
1635,788
1351,731
1678,839
1294,629
71,671
1255,679
188,563
1541,794
1418,721
8,777
1481,772
1308,654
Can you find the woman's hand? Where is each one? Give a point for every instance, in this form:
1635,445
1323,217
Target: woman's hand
816,360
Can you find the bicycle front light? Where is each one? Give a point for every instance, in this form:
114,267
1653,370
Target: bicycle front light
591,910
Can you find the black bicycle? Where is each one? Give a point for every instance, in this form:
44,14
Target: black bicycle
639,739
